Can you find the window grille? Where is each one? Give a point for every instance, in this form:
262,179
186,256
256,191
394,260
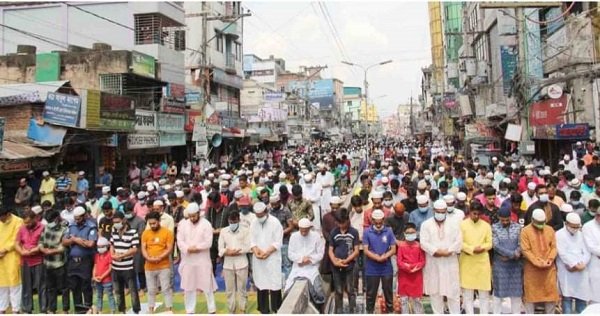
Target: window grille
156,29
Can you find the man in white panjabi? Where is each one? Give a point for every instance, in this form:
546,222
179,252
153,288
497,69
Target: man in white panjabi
325,180
442,244
194,238
311,191
591,236
266,238
306,251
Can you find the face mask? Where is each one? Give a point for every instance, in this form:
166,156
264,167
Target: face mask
262,220
440,217
544,198
102,250
118,226
592,213
52,225
234,227
450,209
410,237
388,203
423,209
129,215
428,177
573,231
309,185
504,192
539,226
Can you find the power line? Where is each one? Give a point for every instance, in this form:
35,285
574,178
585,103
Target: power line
36,36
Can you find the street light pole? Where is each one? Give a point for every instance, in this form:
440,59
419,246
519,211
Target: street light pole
366,86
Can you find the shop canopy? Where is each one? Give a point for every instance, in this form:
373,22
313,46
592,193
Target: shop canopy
13,150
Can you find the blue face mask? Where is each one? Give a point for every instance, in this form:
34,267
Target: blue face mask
423,209
440,217
234,227
411,237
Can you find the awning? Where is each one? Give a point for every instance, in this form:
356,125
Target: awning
23,93
12,151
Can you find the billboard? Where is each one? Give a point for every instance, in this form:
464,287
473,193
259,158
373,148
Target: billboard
320,92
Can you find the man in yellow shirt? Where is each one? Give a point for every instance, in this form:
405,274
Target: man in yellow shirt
47,188
10,263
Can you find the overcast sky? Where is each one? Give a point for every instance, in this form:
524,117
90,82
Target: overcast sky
370,32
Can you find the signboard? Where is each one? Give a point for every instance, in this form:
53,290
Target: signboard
62,109
172,139
478,129
176,91
508,58
450,100
112,141
202,149
222,77
47,67
573,131
170,122
548,112
212,129
137,141
320,92
46,134
191,117
118,125
513,132
534,63
544,132
2,123
170,105
118,107
92,107
199,131
274,96
143,65
14,166
145,121
555,91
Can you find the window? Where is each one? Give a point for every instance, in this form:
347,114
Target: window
219,38
349,103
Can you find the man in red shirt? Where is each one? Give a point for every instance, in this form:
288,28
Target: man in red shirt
32,273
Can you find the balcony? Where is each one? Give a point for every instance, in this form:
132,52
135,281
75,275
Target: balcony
230,64
232,30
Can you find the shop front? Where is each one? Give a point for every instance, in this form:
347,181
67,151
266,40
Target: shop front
554,141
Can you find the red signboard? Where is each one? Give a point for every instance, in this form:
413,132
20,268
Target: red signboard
548,112
192,116
170,105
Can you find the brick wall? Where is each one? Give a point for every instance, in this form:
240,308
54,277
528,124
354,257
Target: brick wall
17,118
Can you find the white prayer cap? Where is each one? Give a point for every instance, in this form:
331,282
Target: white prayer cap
449,198
427,172
158,203
567,208
162,181
528,173
422,185
494,158
377,195
321,165
489,175
81,173
378,214
224,183
259,207
141,195
501,165
304,171
530,167
45,173
335,200
150,187
578,144
539,215
221,171
573,218
178,182
308,177
513,166
506,180
461,196
167,187
304,223
270,174
192,208
442,169
274,198
385,180
211,175
105,189
440,204
372,162
206,183
422,199
566,157
102,242
531,185
282,175
238,194
37,210
226,177
179,194
240,173
249,173
575,183
79,211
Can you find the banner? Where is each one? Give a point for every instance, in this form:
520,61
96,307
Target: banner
137,141
46,134
201,149
145,121
508,58
62,109
199,133
573,131
548,112
170,122
143,65
478,129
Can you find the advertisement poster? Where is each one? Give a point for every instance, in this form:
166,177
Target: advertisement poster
62,109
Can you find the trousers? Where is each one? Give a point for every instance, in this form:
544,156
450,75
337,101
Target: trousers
343,280
235,288
515,305
437,304
56,283
161,278
190,302
268,301
101,288
10,295
33,278
548,307
567,305
373,283
120,278
484,301
417,305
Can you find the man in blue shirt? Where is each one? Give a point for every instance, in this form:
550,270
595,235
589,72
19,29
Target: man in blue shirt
82,187
81,240
379,246
422,213
343,251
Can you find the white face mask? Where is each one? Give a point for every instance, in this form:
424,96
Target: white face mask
262,220
102,250
388,203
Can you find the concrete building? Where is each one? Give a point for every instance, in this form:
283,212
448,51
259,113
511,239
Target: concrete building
351,110
265,71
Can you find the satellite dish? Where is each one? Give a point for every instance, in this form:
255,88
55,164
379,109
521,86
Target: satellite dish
216,140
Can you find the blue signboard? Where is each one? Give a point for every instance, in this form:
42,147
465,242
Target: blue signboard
62,109
46,134
535,67
320,92
573,131
508,58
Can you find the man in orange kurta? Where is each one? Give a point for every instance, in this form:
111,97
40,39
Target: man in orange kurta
538,244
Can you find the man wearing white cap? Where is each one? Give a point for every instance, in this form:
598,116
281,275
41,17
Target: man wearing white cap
305,251
47,188
379,244
194,239
266,237
166,220
554,217
442,243
311,192
106,196
83,187
422,213
538,245
529,196
572,264
454,214
591,236
325,180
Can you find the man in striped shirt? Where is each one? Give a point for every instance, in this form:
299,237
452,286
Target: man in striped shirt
124,245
